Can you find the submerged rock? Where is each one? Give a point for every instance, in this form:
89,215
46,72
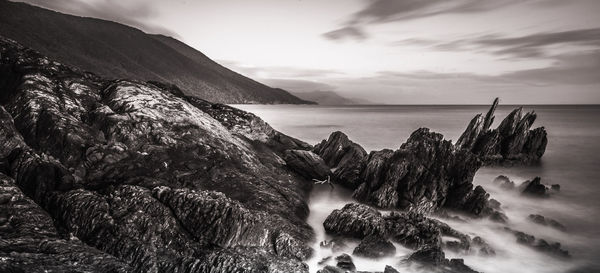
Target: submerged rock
539,219
511,142
534,188
552,248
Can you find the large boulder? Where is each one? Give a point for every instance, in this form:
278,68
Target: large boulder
356,221
344,156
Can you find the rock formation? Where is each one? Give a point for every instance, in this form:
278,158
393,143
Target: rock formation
425,174
545,221
511,142
137,177
411,230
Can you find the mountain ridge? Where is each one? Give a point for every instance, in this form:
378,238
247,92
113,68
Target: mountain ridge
114,50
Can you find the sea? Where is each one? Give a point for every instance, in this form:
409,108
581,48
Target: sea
572,159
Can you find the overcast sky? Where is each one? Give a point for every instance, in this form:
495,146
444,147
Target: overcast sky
387,51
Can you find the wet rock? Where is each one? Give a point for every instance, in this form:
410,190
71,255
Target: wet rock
331,269
410,229
534,188
555,187
355,220
552,248
512,142
484,248
499,217
433,258
504,182
494,204
307,164
374,247
344,262
425,174
539,219
344,156
389,269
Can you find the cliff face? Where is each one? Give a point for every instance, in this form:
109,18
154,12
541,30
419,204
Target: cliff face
139,177
118,51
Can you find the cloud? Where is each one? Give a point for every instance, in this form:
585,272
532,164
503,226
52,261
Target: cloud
133,13
352,32
382,11
529,46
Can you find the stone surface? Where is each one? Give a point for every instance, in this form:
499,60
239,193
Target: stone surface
307,164
513,141
143,178
345,262
345,157
551,248
432,258
539,219
374,247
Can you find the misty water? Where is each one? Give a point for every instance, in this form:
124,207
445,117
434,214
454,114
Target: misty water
572,160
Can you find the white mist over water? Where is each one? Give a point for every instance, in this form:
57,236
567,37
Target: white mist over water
571,160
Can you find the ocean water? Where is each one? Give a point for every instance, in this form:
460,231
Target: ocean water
572,159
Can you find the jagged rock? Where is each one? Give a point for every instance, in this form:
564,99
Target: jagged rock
331,269
499,217
433,258
355,220
484,248
344,156
494,204
389,269
504,182
148,179
31,243
512,141
344,262
409,229
425,174
539,219
552,248
374,247
307,164
534,188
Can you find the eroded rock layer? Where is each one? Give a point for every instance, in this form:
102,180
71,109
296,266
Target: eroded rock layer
138,177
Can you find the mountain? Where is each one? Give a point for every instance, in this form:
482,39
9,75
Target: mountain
118,51
328,98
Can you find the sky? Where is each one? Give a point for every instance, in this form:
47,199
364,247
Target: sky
387,51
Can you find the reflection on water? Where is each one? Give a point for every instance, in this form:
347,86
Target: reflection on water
571,160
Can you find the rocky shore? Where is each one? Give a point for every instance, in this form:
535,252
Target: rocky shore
105,175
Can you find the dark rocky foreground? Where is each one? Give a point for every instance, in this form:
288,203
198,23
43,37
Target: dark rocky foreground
101,175
123,176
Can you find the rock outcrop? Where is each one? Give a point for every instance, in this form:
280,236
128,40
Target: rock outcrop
411,230
552,248
545,221
425,174
137,177
513,141
374,247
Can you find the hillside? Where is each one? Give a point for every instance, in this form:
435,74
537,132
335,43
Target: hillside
118,51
